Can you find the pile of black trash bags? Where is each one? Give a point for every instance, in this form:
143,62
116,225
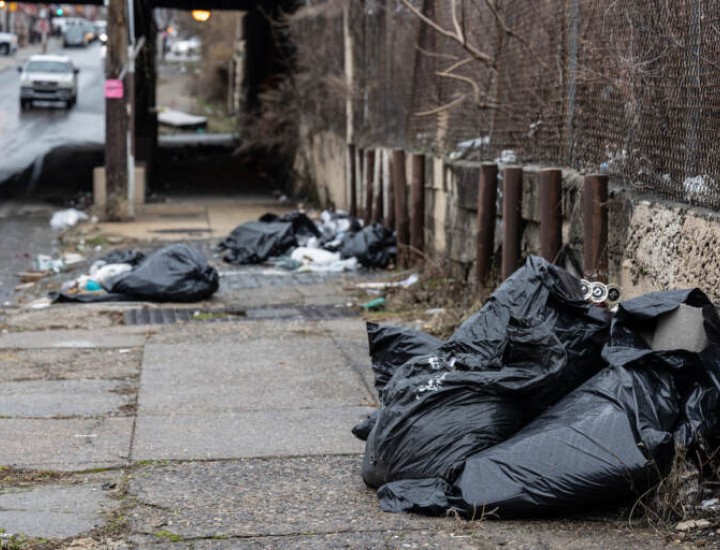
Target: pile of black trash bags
272,236
541,402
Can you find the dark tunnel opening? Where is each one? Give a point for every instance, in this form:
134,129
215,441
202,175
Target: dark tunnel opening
227,164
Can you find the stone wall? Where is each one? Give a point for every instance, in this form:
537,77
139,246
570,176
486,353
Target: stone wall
651,245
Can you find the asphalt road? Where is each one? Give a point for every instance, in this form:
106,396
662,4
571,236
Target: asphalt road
26,136
24,233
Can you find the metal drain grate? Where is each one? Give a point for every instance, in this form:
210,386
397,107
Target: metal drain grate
167,316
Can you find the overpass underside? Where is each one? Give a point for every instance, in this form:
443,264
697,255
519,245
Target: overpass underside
264,57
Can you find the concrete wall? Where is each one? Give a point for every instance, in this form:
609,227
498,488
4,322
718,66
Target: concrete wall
651,245
321,164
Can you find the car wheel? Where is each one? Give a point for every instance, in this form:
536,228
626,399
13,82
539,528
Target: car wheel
4,49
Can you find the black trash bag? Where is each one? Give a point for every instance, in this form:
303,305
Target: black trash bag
373,246
606,442
132,257
390,347
303,227
175,273
533,341
272,235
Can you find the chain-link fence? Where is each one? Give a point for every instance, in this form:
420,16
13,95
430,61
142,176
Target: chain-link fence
630,87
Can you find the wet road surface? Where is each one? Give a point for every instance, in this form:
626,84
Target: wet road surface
24,233
27,135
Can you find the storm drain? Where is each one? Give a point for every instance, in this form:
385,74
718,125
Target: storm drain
166,316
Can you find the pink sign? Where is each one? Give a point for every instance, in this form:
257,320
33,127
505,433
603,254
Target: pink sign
114,89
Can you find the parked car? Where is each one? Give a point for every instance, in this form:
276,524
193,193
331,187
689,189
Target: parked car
8,43
48,78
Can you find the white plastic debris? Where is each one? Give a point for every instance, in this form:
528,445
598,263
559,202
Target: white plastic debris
44,262
67,218
314,256
464,148
71,258
103,273
380,285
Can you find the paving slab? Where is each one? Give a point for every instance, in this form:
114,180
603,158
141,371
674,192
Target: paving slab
54,511
321,502
69,364
468,538
279,432
284,371
74,339
56,398
65,444
350,336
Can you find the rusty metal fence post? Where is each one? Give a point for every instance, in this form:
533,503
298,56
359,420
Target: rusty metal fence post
487,195
369,177
353,180
595,227
379,207
550,213
402,222
389,220
512,205
417,191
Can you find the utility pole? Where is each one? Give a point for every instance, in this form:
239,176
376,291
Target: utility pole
116,114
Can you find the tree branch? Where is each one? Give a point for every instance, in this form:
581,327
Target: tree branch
443,108
460,39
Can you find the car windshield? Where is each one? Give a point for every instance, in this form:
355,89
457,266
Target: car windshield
48,67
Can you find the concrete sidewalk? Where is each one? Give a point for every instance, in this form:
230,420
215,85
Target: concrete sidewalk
213,435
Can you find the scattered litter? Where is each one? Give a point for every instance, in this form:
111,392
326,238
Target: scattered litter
373,305
179,119
464,148
537,404
600,293
316,256
44,262
692,524
335,242
23,286
31,276
72,258
65,219
435,311
40,303
382,285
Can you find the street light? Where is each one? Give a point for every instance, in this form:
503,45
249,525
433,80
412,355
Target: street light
2,4
200,15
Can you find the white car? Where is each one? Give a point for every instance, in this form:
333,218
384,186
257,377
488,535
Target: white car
186,48
8,43
48,78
